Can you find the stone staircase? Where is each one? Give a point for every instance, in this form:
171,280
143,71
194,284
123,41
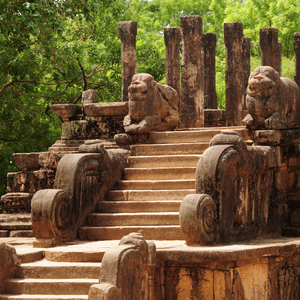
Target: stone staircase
55,274
158,177
15,225
52,280
160,174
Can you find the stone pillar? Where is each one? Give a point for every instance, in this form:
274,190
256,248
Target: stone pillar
270,49
280,57
246,64
234,74
209,41
128,32
172,36
192,92
297,57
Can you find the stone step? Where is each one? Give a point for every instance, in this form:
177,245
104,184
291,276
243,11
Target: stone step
148,195
160,173
204,134
44,297
134,219
58,270
31,286
12,218
138,206
15,226
164,161
171,232
156,184
168,149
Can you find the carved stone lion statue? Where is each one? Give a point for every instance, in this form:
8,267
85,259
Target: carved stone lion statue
273,102
152,107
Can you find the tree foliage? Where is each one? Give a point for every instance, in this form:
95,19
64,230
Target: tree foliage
51,51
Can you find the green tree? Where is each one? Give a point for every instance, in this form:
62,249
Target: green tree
51,51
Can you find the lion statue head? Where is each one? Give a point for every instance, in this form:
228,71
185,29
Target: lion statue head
272,101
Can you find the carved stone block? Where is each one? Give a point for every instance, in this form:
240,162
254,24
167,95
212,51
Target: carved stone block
273,102
89,96
152,107
127,272
8,264
237,197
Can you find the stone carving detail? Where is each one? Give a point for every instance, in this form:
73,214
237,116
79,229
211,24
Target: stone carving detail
81,181
234,184
197,218
152,107
8,264
127,272
273,102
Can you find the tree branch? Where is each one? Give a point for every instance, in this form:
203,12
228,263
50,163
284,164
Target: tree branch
83,74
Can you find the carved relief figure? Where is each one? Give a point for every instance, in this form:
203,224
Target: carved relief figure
152,107
273,102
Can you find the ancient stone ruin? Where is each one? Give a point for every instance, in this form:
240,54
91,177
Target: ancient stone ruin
221,200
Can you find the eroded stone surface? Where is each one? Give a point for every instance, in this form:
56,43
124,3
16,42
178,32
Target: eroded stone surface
128,32
16,202
234,74
192,85
273,102
152,107
27,161
270,48
127,272
81,181
67,111
89,96
8,264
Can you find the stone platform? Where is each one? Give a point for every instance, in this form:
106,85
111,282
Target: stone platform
260,269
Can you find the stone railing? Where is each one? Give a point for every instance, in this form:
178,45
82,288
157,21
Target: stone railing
237,197
82,180
127,272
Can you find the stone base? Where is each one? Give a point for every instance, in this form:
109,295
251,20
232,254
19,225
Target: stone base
16,202
29,182
66,146
266,269
63,147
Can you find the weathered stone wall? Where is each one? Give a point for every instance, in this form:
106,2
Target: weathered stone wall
230,272
286,176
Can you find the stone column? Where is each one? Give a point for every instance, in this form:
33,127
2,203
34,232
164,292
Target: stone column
128,32
246,64
297,57
209,41
192,93
234,74
280,57
270,49
172,36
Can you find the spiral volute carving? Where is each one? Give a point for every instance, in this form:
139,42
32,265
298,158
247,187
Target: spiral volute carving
52,215
198,219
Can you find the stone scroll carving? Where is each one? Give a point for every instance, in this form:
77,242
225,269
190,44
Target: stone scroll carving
273,102
236,198
81,181
152,107
127,272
